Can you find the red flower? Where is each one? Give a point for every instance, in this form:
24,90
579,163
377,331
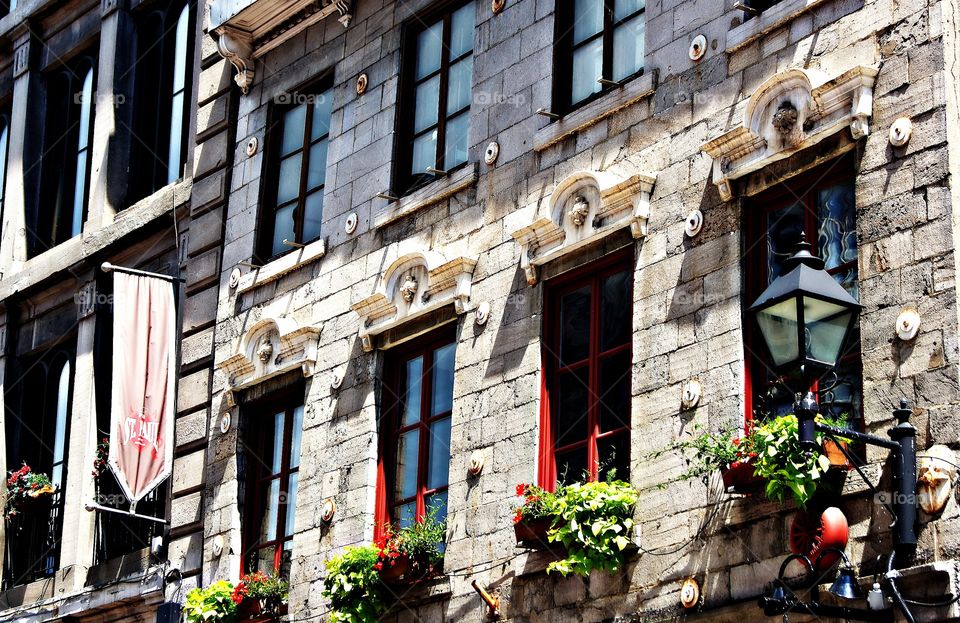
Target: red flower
520,489
378,566
519,516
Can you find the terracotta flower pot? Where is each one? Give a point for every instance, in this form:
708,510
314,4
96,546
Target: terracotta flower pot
739,478
249,608
833,452
393,572
532,532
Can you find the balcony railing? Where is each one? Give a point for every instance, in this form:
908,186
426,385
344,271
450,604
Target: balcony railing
118,535
33,542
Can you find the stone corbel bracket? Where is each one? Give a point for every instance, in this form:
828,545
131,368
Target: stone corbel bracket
269,348
791,111
413,286
585,207
236,47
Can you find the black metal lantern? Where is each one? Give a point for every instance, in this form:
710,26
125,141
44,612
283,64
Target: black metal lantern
805,316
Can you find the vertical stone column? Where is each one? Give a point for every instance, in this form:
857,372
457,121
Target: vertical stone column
101,210
3,419
78,524
13,230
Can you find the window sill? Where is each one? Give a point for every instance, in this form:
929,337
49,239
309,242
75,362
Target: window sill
596,111
432,193
275,269
769,20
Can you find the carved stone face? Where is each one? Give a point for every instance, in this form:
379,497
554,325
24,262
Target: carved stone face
265,350
408,289
785,119
936,475
579,211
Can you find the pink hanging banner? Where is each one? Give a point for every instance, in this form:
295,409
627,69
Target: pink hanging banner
144,381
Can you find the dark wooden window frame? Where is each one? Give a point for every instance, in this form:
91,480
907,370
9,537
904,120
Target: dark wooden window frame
802,188
268,202
564,49
407,181
390,428
591,274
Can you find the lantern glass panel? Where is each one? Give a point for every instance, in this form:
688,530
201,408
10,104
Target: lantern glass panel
825,327
778,324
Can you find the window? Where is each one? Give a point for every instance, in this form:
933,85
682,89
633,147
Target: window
4,144
293,208
65,178
587,338
37,434
415,450
163,71
272,472
435,108
756,7
600,43
821,204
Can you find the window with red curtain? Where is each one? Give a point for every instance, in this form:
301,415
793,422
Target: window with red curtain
822,205
417,398
272,473
587,338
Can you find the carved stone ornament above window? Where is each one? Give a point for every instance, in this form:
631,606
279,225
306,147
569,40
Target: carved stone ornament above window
272,346
248,29
414,285
791,111
584,207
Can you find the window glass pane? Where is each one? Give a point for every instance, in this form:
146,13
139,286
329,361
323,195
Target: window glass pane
438,501
406,473
268,529
614,394
572,466
291,504
783,232
575,326
60,440
424,152
573,390
322,104
458,139
438,464
180,54
429,43
405,515
587,20
848,279
616,309
625,8
288,183
840,395
86,110
411,396
317,169
458,89
628,46
283,228
295,435
587,67
461,30
3,159
264,559
312,216
443,361
274,460
176,131
428,100
836,225
293,121
613,455
79,193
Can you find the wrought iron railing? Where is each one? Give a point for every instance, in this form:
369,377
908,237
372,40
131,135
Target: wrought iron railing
33,537
116,534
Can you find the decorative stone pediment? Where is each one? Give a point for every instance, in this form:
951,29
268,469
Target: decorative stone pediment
791,111
584,207
248,29
412,286
272,346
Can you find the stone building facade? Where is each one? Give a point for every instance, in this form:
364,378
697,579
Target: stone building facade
324,260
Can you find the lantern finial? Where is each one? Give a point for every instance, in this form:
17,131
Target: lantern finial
802,255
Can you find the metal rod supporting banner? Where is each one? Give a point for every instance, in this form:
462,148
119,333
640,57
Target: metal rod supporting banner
108,267
92,506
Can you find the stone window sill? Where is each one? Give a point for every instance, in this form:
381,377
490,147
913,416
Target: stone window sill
273,270
596,111
771,19
431,194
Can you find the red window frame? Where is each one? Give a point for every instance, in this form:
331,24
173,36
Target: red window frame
259,479
592,274
390,428
803,189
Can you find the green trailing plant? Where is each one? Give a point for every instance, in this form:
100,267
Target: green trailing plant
423,542
593,521
707,453
353,586
213,604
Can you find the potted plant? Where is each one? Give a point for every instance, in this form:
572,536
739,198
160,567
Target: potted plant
354,587
260,596
422,543
733,456
593,521
26,490
393,563
213,604
533,517
100,461
832,448
789,469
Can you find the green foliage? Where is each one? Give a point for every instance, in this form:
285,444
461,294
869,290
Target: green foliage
788,469
593,521
423,542
537,503
353,586
213,604
709,452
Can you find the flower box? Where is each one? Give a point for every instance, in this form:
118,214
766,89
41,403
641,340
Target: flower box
532,532
394,568
837,458
252,610
739,478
